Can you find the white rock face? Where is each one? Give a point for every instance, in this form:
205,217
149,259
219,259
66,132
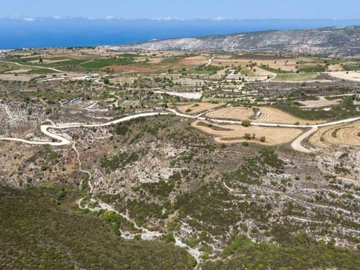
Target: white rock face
326,41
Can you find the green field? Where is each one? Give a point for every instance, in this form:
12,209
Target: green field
317,68
351,67
296,77
277,71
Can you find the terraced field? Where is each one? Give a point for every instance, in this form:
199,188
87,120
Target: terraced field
236,113
272,115
337,135
266,115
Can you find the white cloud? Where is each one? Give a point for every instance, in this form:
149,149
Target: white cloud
167,19
55,17
28,19
219,19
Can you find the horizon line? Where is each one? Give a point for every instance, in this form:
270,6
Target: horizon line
112,18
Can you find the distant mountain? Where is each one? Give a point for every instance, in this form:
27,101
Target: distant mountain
334,41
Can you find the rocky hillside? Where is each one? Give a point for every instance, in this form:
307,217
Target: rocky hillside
325,41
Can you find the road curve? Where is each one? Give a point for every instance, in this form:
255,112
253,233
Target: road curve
296,144
60,140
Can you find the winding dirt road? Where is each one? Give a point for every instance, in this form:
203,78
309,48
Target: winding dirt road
32,66
61,140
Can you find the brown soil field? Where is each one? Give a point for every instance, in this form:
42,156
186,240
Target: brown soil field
283,64
272,115
229,134
336,67
155,60
236,113
194,61
197,107
337,135
317,140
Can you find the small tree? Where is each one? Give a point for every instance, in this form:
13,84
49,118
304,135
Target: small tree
263,139
245,123
247,136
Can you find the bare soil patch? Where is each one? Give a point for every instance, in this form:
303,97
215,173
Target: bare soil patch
194,61
346,75
321,102
17,77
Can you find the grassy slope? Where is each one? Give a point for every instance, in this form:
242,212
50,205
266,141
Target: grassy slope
38,231
296,77
302,253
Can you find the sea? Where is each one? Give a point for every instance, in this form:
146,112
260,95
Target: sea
80,32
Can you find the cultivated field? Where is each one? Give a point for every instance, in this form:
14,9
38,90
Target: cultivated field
276,116
236,133
236,113
195,60
337,135
296,77
195,108
267,115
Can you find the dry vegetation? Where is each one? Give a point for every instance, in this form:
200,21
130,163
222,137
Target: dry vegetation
237,133
195,108
346,75
272,115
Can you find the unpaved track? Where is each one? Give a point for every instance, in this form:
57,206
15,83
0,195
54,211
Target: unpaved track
209,62
296,144
60,140
31,66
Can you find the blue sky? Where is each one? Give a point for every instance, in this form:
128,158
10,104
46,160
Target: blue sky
184,9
